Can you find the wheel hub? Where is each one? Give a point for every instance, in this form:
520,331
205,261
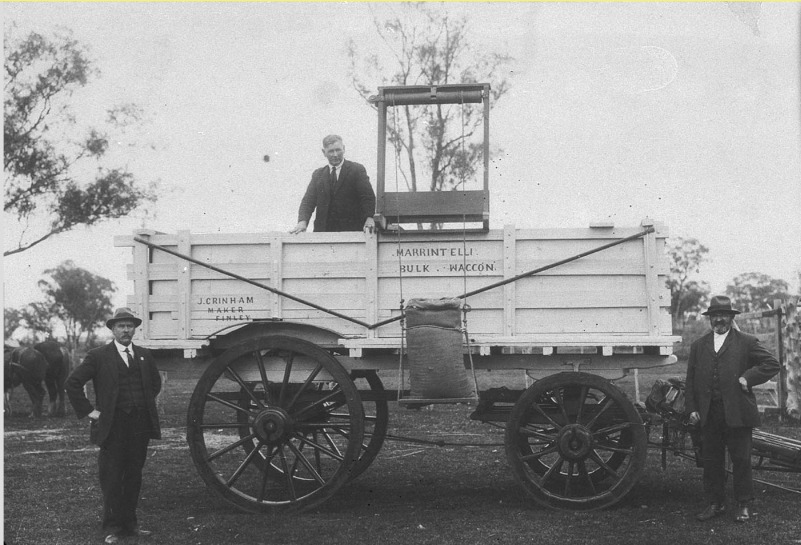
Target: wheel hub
272,424
575,442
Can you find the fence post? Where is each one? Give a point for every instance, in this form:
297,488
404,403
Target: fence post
781,390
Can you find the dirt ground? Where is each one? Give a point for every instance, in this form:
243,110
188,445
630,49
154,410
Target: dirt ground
411,494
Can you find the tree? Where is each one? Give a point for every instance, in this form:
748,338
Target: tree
55,176
80,299
686,257
695,298
756,291
426,46
12,319
37,320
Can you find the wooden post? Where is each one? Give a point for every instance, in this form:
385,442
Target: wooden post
790,354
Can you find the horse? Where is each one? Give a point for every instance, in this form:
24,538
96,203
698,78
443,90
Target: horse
45,362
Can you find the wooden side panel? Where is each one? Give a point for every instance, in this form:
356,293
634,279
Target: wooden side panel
619,291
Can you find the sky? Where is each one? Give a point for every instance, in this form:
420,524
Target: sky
686,113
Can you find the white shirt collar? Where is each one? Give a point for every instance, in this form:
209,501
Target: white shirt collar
121,349
719,339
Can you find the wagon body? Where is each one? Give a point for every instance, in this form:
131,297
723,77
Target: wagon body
609,310
301,327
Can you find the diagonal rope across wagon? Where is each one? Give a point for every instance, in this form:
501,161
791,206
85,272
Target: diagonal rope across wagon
500,283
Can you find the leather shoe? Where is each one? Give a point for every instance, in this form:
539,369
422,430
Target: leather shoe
713,510
142,533
743,514
112,538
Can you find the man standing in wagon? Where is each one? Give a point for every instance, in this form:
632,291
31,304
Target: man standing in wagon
724,365
340,192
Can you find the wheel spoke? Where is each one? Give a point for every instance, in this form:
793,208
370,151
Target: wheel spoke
305,385
220,426
553,470
265,477
308,465
264,381
233,374
585,390
246,462
537,408
598,460
560,402
231,447
582,467
544,435
228,404
285,381
334,394
613,448
612,429
318,447
287,473
569,479
540,454
604,405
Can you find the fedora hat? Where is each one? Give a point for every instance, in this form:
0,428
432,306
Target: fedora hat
720,303
123,313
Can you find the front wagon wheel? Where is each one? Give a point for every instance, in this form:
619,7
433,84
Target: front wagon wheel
275,424
575,441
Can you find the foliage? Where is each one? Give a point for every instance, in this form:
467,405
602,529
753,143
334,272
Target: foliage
38,319
686,296
80,299
691,330
12,319
425,45
756,291
55,175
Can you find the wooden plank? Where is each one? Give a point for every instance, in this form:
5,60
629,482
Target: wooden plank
184,287
277,274
509,271
652,297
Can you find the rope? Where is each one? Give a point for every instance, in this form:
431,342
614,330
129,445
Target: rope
466,306
401,381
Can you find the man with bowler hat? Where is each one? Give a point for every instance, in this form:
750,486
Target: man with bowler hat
724,365
123,419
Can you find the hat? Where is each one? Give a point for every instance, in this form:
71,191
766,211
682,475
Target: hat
720,303
123,313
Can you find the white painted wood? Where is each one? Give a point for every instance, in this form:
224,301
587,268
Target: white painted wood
609,299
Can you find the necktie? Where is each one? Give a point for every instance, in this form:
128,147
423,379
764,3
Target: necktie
130,357
333,175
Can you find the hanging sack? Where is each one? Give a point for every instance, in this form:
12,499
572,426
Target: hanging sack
434,348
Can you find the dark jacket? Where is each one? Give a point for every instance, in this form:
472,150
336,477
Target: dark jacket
741,355
101,367
342,208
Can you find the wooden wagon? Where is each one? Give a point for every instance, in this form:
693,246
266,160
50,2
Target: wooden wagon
307,329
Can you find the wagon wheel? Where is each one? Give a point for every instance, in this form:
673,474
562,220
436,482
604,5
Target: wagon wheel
575,441
304,422
376,418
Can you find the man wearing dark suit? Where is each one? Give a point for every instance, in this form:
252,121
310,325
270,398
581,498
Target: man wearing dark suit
340,192
724,365
123,420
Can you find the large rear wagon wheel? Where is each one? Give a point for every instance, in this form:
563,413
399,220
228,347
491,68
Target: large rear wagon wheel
376,418
575,441
275,424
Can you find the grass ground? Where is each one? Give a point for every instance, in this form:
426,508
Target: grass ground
412,494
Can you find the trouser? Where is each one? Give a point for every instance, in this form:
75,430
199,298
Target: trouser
120,462
717,438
